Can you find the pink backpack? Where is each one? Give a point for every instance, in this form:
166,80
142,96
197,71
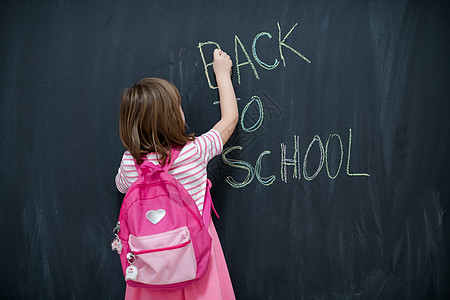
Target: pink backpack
162,239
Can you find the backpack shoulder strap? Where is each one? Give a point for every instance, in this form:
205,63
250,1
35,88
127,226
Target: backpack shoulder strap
173,157
208,205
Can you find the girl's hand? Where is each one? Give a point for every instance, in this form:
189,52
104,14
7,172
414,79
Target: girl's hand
222,64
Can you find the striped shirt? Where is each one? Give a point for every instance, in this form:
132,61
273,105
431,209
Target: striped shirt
189,168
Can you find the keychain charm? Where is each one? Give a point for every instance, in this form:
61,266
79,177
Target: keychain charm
116,245
131,273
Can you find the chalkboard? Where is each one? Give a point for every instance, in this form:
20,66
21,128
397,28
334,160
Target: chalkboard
335,184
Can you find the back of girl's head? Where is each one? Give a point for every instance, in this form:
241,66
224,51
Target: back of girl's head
151,119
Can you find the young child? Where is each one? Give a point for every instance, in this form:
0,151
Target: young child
151,123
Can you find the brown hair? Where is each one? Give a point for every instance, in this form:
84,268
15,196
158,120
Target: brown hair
151,119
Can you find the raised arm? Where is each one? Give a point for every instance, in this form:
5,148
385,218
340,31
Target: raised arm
228,106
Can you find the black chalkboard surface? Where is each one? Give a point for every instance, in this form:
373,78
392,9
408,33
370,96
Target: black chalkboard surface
335,184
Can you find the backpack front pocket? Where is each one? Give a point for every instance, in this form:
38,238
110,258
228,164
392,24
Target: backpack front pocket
164,258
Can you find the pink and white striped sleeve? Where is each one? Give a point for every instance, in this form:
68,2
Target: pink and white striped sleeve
127,173
209,145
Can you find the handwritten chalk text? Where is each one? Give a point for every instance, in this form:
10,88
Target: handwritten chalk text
295,161
246,59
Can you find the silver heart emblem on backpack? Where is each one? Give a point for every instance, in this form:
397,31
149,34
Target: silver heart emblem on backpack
155,216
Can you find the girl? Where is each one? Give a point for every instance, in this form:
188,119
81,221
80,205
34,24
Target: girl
151,123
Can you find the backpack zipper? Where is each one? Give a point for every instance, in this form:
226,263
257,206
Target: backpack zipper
163,249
